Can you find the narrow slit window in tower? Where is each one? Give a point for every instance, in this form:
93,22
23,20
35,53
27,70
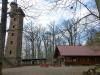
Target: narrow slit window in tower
14,19
13,26
12,34
11,42
10,52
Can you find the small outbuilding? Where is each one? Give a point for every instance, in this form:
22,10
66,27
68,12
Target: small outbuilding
76,55
36,61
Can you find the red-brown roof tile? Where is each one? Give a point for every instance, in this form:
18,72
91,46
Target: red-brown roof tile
77,51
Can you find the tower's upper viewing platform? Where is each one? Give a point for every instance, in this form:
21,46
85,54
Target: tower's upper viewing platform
15,10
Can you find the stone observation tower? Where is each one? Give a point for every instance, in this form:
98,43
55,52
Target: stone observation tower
14,41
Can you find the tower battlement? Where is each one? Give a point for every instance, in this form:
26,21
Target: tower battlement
15,10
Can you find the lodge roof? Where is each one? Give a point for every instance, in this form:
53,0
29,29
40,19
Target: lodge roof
76,51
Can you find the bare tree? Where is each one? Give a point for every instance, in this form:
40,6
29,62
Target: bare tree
38,41
27,47
45,42
30,33
34,35
70,31
52,32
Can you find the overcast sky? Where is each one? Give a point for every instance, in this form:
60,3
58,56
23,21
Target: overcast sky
41,12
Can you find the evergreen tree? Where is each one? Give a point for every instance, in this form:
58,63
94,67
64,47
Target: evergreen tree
94,42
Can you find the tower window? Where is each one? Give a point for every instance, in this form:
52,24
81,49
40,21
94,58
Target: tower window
14,19
13,26
11,42
12,34
10,52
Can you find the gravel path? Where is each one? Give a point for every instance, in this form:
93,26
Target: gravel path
37,70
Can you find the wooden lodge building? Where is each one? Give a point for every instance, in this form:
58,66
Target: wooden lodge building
76,55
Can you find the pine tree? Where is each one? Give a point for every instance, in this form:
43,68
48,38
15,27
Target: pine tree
94,42
98,6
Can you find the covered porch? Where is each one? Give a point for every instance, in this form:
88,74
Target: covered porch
79,60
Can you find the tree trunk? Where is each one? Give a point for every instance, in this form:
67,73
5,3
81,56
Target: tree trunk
33,52
3,31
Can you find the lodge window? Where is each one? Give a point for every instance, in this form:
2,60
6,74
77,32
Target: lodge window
11,42
74,60
69,59
97,59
